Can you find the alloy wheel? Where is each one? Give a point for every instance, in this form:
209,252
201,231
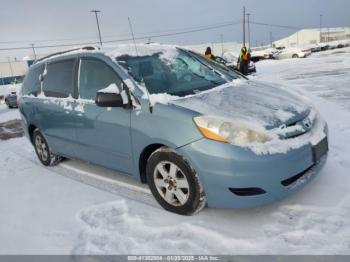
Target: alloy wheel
171,183
41,148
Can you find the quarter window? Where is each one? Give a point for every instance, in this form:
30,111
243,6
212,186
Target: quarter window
59,79
32,84
95,75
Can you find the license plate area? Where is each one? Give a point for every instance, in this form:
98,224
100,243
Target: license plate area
319,150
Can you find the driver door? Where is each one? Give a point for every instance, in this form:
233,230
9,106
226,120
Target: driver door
103,134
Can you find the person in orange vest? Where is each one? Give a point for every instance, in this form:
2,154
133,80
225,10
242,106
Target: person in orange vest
208,54
243,61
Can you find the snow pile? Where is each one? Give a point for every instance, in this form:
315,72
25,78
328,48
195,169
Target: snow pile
165,98
112,228
111,89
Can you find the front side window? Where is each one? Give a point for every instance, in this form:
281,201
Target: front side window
32,84
59,79
95,75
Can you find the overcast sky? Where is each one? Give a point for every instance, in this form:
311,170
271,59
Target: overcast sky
32,21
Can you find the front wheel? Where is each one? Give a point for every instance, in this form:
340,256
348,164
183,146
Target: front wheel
42,150
174,183
295,56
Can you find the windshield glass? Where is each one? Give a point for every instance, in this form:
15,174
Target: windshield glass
176,72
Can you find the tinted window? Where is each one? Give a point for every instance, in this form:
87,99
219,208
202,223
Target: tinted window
31,85
95,75
59,79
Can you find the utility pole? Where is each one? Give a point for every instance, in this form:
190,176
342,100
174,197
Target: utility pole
98,24
243,25
321,16
2,79
32,45
248,29
271,38
328,35
222,44
8,60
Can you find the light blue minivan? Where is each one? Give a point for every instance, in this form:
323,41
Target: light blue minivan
197,132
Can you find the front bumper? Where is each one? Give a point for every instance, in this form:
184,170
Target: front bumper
223,167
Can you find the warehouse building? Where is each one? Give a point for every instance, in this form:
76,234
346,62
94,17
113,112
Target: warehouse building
313,36
12,72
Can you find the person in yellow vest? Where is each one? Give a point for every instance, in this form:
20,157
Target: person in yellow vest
243,61
208,54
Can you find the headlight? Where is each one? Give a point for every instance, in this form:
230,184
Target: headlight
225,131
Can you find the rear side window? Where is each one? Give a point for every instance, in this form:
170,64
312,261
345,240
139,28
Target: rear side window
59,79
95,75
32,84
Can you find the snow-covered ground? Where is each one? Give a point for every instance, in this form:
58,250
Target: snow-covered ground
76,208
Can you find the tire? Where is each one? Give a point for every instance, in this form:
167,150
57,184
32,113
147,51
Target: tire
174,183
295,56
42,150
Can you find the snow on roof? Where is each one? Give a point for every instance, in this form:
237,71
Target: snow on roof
121,49
140,49
330,29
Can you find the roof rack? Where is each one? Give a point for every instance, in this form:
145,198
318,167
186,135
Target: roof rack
87,48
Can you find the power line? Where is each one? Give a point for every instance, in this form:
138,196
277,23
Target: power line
275,25
113,36
125,39
154,35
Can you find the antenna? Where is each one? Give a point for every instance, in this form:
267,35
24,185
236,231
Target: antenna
133,37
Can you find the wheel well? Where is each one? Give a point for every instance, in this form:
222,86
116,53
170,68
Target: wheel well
146,153
31,129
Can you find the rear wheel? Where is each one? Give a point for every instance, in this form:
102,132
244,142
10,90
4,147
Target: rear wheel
174,183
42,150
295,56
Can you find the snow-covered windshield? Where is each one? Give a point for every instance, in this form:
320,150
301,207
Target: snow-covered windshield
176,72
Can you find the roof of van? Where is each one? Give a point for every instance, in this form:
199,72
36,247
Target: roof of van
116,50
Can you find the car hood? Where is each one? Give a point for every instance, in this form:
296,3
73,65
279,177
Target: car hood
252,101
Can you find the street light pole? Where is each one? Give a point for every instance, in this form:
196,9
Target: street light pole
98,24
321,16
32,45
248,14
222,44
271,39
8,60
243,25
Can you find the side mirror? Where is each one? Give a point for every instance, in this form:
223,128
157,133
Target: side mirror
109,100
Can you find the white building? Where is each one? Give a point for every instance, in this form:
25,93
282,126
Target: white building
13,71
313,36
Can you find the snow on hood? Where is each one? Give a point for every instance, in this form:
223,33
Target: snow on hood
248,101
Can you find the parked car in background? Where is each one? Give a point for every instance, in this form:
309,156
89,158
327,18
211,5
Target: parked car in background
293,52
195,131
262,53
313,47
11,100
